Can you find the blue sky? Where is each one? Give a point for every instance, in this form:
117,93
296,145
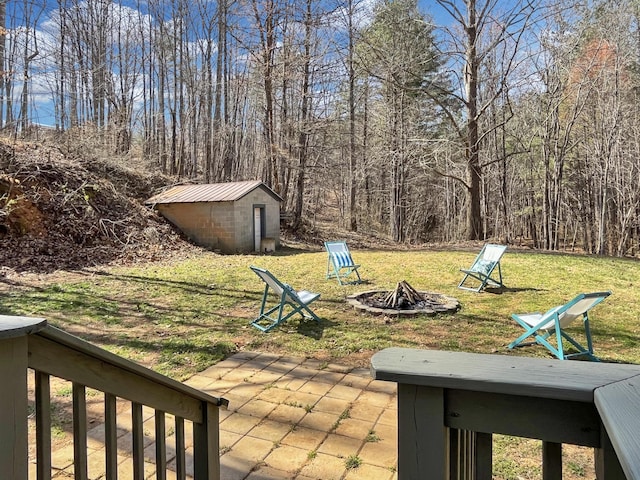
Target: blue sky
42,82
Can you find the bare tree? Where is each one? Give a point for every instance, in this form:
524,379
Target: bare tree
265,15
30,51
3,40
480,28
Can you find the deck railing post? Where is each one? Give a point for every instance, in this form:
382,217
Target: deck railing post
14,449
43,425
484,456
13,409
607,465
206,444
551,461
423,439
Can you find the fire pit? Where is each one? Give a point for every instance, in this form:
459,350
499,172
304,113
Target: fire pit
403,300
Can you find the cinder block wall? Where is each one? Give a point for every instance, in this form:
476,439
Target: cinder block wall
207,224
244,222
273,220
222,221
244,218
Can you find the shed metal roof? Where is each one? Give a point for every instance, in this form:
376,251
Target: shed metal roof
210,192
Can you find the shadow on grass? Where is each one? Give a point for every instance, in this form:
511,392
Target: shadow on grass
74,304
187,286
504,289
312,329
482,320
288,251
363,282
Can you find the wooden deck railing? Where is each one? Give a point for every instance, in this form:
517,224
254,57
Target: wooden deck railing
29,343
450,404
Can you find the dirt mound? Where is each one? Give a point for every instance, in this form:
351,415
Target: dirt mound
60,213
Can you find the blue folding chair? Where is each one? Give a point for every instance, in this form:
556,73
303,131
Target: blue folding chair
479,275
340,265
289,303
548,329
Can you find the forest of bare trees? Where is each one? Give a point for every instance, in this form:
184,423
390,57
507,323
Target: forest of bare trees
516,120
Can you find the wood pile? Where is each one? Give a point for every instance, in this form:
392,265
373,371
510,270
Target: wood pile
402,296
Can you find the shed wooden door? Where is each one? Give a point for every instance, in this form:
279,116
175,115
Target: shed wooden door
257,227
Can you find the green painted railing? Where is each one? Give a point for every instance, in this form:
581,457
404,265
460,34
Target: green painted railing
451,403
28,346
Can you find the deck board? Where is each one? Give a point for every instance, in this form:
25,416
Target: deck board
538,377
618,405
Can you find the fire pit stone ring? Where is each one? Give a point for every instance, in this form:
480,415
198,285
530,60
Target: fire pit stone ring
404,300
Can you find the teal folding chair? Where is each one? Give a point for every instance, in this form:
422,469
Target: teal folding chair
289,303
480,274
548,329
340,265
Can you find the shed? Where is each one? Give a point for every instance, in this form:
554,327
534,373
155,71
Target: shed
233,217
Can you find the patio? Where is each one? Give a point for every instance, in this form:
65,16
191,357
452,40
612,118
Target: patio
296,418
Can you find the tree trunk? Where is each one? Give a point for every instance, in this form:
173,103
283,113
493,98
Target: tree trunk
474,174
303,137
268,45
353,158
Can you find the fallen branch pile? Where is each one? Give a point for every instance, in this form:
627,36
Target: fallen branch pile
58,213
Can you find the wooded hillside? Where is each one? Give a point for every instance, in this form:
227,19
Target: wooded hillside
454,119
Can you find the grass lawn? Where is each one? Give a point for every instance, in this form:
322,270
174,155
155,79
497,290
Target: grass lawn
179,317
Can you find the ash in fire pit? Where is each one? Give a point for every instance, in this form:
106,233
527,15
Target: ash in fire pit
403,300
